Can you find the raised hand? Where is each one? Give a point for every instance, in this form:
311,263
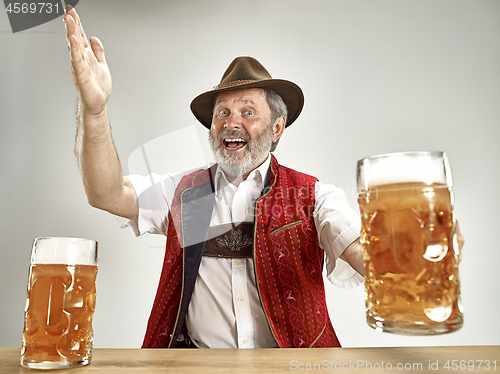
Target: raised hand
88,65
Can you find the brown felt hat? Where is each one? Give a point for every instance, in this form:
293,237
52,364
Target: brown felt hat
247,72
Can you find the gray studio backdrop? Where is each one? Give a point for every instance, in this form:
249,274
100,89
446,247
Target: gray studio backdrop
378,76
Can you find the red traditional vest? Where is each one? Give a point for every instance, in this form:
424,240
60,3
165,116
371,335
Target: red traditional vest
287,258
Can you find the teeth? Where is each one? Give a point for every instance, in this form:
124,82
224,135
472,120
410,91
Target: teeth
235,140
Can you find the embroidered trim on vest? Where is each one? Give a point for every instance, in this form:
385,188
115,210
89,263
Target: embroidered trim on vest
319,336
287,226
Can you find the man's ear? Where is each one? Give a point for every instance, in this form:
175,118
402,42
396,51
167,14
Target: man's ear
278,128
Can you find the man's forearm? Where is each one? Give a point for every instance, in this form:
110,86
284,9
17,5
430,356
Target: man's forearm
97,159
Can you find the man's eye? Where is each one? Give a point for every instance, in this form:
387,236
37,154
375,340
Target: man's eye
249,113
223,112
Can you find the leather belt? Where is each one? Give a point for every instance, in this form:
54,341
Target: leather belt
230,240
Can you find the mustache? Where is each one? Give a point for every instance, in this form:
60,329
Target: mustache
237,133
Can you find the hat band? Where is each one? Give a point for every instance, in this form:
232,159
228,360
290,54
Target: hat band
235,83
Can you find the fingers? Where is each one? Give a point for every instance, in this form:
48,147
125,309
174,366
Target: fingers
77,42
79,31
460,238
71,33
98,49
460,241
75,45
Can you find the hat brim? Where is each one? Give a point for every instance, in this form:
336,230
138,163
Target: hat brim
202,105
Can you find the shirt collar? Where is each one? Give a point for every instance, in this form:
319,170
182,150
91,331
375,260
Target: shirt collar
261,175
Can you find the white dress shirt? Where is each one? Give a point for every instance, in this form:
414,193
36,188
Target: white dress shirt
225,310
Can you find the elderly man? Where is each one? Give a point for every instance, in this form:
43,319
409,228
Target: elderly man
247,239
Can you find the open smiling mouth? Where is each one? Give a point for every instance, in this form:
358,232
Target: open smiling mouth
234,144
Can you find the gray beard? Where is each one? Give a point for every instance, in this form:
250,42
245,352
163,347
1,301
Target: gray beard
256,152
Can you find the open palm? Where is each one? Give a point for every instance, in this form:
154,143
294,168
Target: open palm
88,64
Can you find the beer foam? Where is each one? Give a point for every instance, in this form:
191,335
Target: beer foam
426,167
70,251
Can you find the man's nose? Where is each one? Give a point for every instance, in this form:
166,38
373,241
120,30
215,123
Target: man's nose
233,122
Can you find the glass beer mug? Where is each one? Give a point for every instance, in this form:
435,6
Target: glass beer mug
409,243
60,303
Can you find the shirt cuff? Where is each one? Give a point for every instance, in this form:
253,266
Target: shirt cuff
344,276
339,272
149,198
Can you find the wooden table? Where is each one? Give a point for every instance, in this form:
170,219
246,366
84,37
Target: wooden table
472,359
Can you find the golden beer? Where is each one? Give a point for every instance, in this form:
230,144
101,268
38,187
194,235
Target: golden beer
60,304
412,284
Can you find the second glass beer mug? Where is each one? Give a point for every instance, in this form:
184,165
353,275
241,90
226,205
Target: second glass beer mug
409,243
60,303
